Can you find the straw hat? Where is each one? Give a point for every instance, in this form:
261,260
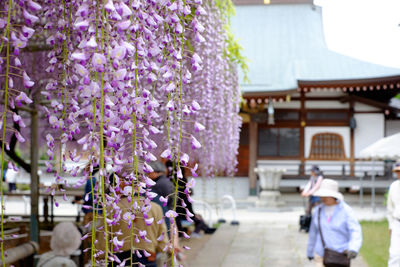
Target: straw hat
396,167
329,188
65,239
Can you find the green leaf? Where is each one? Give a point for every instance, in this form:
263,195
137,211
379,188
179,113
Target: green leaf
234,51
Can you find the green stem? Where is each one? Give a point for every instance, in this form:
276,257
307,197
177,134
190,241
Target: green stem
64,75
134,165
4,130
101,168
180,130
94,211
135,158
97,21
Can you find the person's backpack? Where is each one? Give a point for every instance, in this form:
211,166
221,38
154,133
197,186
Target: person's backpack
304,222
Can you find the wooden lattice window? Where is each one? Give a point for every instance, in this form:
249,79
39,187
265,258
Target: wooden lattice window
327,146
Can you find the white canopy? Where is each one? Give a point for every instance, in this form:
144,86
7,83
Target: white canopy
385,148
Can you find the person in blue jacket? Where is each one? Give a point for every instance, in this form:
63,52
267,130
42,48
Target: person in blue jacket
340,228
88,197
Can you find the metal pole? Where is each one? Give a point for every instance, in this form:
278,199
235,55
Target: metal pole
362,190
233,185
373,187
253,132
34,225
52,210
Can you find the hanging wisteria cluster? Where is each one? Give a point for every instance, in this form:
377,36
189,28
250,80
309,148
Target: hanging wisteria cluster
125,82
16,31
217,83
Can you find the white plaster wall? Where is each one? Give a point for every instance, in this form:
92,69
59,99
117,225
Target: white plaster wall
309,132
363,107
370,128
290,166
290,104
326,104
392,127
325,93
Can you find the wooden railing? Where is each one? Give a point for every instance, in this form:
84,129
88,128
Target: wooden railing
334,169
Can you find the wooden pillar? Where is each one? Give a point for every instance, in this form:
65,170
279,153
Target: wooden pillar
352,159
253,148
34,220
302,134
45,209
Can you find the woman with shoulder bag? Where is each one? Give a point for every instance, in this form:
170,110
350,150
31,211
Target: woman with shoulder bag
335,235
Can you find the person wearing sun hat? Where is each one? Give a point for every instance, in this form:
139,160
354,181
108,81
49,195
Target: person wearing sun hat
65,239
393,216
340,229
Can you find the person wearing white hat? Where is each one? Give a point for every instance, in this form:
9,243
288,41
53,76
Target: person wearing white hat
393,216
64,241
335,219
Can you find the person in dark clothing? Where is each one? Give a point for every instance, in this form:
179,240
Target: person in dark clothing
88,198
181,210
4,174
163,187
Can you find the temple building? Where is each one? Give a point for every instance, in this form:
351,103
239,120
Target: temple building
305,104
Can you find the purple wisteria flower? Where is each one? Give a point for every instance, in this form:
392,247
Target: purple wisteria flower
198,127
22,97
163,200
149,221
123,90
171,214
195,144
29,18
98,62
33,6
117,243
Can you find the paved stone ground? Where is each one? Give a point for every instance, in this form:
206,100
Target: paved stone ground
254,245
265,237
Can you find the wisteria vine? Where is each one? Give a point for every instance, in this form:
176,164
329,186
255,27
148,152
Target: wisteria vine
126,82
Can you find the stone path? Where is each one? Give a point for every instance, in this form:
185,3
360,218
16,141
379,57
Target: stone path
256,244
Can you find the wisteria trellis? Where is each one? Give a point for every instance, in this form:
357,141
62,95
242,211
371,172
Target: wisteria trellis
127,81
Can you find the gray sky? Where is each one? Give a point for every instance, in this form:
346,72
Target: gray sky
365,29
